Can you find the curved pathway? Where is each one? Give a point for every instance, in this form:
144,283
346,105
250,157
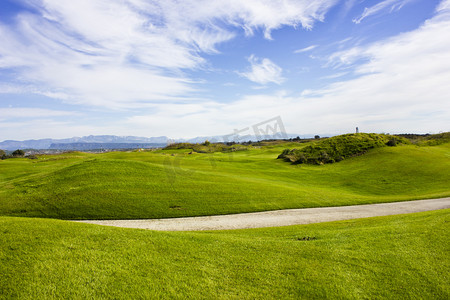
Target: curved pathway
280,217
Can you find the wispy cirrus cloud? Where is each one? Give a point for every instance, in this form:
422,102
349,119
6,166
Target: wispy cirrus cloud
263,71
402,86
140,57
391,5
128,53
21,112
306,49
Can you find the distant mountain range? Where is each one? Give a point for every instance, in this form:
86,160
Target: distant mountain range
122,142
102,146
92,139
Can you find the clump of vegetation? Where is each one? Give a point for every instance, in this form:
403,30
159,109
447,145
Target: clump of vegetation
307,238
428,139
208,147
392,142
176,146
18,153
339,147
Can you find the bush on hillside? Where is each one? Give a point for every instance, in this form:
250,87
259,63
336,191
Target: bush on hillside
392,142
207,147
338,148
428,139
179,146
436,139
18,153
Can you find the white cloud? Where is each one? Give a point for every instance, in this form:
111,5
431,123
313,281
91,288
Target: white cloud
263,71
443,7
249,15
401,87
19,112
306,49
392,5
334,76
49,128
401,83
127,53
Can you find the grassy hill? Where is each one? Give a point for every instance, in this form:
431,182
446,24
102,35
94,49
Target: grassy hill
340,147
180,182
428,139
395,257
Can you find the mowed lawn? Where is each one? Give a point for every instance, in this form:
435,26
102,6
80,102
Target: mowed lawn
174,183
395,257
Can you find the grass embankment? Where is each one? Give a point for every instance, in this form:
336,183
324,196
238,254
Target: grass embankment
428,139
173,183
208,147
340,147
395,257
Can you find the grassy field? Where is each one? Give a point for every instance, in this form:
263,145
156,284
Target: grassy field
395,257
174,183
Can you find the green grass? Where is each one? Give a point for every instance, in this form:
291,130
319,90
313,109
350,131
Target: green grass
428,140
208,147
339,147
395,257
173,183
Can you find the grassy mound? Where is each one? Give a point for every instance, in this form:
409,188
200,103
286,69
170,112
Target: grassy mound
339,148
395,257
173,183
428,139
208,147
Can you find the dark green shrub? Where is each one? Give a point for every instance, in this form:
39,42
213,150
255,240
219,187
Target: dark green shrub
18,153
284,153
392,143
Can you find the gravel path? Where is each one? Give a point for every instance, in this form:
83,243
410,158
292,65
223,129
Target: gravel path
280,217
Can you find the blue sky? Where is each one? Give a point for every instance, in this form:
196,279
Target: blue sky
197,68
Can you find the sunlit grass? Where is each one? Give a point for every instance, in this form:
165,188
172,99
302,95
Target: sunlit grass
173,183
395,257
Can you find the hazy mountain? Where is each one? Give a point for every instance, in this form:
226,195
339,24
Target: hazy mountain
121,142
101,139
241,138
99,146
